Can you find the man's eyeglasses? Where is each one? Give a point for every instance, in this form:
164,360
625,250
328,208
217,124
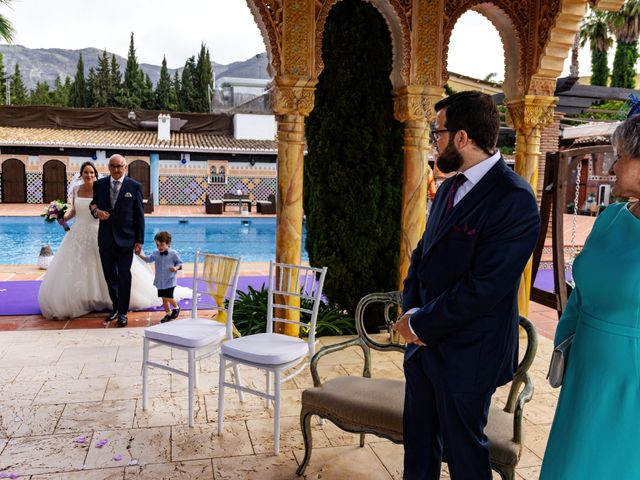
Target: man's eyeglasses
116,167
434,135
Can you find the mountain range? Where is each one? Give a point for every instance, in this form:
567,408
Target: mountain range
47,64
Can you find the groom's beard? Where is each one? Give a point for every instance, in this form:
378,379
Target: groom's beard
449,160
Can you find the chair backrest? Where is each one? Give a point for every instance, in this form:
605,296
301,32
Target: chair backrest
215,279
295,293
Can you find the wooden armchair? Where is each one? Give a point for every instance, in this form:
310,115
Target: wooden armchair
366,405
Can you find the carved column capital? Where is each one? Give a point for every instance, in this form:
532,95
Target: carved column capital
531,112
415,102
293,96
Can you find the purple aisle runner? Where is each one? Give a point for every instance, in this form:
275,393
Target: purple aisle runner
21,298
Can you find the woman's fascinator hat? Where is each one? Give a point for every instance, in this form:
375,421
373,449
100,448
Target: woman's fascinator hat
634,104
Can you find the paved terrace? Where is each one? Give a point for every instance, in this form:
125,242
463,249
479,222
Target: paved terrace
60,380
59,385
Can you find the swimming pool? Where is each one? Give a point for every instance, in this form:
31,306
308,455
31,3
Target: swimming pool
22,237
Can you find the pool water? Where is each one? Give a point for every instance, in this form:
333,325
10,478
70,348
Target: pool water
252,238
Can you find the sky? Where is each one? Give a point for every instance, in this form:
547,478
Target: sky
176,29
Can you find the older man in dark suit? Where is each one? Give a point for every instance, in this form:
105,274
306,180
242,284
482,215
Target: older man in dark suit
460,294
117,203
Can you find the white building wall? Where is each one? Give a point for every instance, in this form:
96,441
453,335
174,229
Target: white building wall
254,127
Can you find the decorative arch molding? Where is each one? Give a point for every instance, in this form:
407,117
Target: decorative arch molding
268,15
558,23
509,18
397,15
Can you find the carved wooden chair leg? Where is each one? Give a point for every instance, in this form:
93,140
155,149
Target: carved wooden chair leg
305,425
506,473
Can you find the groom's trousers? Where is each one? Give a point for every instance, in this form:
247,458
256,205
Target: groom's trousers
116,264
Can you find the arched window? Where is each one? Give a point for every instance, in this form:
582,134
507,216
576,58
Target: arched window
217,175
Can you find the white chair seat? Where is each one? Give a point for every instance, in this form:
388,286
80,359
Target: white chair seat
191,332
266,348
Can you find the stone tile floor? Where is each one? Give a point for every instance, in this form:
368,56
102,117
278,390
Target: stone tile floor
59,385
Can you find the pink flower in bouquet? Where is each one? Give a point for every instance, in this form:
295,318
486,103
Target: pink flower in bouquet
55,211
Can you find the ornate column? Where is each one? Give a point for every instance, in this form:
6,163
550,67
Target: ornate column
529,115
292,101
414,107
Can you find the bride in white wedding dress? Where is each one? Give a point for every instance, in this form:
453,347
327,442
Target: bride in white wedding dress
74,284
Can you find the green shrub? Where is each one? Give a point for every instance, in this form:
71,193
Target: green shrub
250,315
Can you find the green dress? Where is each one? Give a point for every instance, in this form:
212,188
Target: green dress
596,429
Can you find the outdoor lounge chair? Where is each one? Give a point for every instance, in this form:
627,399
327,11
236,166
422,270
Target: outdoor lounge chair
147,204
366,405
215,279
212,206
268,206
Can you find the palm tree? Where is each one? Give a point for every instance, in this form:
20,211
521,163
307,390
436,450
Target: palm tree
6,29
625,25
595,30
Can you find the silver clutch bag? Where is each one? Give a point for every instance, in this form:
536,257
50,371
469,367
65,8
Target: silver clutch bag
558,363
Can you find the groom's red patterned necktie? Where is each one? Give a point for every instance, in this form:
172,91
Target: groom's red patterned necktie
456,184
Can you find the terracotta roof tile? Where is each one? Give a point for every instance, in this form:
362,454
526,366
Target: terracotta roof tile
132,140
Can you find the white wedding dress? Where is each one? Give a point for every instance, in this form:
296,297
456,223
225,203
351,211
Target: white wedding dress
74,284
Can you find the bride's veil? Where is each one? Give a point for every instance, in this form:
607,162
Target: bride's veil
75,182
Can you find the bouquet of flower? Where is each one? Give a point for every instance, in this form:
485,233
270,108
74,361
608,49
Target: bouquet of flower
55,211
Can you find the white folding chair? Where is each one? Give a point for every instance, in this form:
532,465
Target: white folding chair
215,279
293,290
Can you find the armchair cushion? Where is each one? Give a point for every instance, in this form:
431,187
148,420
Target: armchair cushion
499,430
360,403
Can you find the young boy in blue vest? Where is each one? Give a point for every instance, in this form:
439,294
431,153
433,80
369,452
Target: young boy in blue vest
167,262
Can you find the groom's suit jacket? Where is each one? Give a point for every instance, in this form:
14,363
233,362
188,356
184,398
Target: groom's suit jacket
125,226
464,277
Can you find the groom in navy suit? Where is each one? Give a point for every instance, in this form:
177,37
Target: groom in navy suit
117,203
460,294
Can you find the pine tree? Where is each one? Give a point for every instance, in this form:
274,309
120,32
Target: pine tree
60,93
93,93
18,90
353,169
187,95
174,101
40,95
102,85
148,97
163,88
133,83
116,83
203,79
78,94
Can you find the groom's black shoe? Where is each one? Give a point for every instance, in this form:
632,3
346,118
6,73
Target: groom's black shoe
122,321
112,316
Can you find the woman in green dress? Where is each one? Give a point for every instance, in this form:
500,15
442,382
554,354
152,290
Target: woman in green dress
596,429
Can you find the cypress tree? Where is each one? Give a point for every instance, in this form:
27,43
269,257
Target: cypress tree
203,79
93,93
103,86
163,88
116,83
174,92
148,97
353,169
187,96
18,90
133,83
78,94
3,81
60,93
